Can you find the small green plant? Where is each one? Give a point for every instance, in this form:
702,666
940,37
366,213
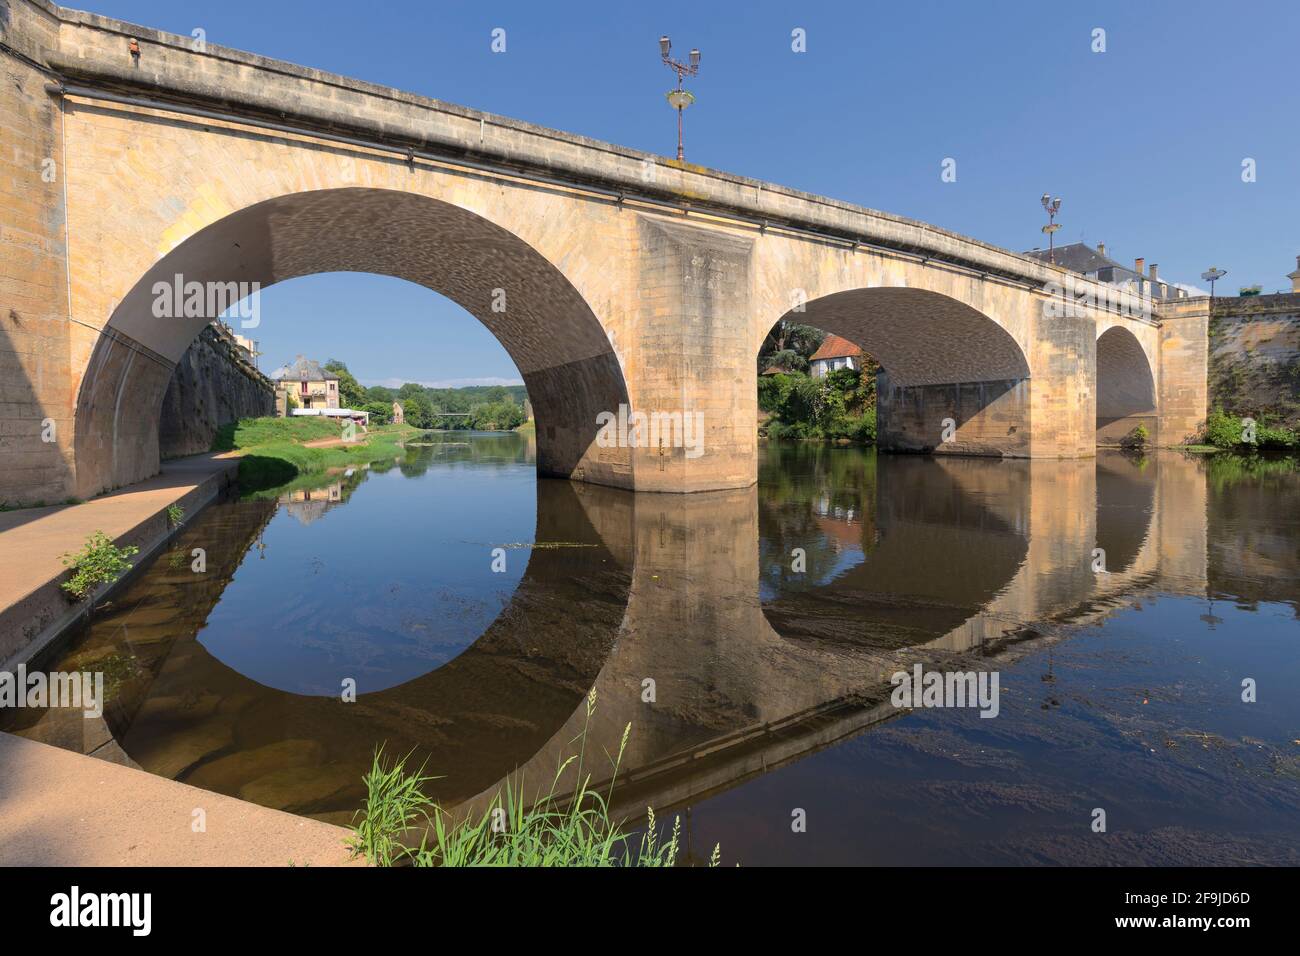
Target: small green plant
1136,439
99,562
174,514
395,802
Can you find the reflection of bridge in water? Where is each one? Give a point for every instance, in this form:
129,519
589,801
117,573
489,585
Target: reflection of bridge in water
949,562
967,559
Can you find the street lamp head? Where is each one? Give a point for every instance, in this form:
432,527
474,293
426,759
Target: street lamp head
695,59
665,45
1046,200
1056,204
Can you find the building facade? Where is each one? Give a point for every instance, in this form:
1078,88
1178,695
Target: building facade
835,352
304,384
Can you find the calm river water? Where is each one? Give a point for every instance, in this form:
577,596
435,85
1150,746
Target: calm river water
749,638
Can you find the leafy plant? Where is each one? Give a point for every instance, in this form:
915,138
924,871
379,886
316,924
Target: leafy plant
99,562
1137,438
174,514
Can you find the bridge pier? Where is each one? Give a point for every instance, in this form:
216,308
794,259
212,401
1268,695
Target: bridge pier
965,418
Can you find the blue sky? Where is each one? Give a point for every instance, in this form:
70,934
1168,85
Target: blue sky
1144,142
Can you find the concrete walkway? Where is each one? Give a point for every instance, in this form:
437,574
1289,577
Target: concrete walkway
33,540
59,808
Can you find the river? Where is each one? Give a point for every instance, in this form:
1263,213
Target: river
750,639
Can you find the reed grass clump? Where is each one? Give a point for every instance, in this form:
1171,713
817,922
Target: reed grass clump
552,828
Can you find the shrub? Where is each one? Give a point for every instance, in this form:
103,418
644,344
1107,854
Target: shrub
1226,431
99,562
1222,430
1136,438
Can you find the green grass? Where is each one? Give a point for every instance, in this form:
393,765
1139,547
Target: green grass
550,829
252,432
273,450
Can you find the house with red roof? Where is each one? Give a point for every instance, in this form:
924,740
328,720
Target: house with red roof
835,352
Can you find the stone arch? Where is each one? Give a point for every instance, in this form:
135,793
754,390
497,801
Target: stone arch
543,322
941,358
1126,391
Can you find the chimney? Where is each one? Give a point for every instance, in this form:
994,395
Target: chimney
1139,266
1101,250
1155,272
1295,276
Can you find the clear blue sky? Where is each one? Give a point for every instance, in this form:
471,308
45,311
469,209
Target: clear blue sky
1144,142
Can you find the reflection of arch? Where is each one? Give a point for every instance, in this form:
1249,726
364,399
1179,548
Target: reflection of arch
551,333
942,359
943,554
1126,494
1126,391
481,714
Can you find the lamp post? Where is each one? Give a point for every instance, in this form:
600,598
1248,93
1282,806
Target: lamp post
679,98
1051,207
1213,275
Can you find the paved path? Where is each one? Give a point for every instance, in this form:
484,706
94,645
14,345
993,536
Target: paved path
59,808
33,540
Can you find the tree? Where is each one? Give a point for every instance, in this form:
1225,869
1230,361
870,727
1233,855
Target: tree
789,337
417,410
380,412
499,416
352,394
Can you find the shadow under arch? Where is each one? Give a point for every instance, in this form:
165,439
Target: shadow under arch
940,358
475,718
1126,502
1126,390
549,330
923,549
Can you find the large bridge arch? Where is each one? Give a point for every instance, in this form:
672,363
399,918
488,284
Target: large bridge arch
942,358
552,334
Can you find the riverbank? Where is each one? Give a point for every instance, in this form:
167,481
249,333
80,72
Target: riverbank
273,452
34,610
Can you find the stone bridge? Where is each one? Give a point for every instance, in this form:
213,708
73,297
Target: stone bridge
612,277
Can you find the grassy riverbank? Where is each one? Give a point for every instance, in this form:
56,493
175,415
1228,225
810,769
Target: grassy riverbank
276,451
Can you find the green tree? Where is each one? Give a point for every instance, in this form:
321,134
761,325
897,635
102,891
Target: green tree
352,394
496,416
788,346
380,412
418,411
